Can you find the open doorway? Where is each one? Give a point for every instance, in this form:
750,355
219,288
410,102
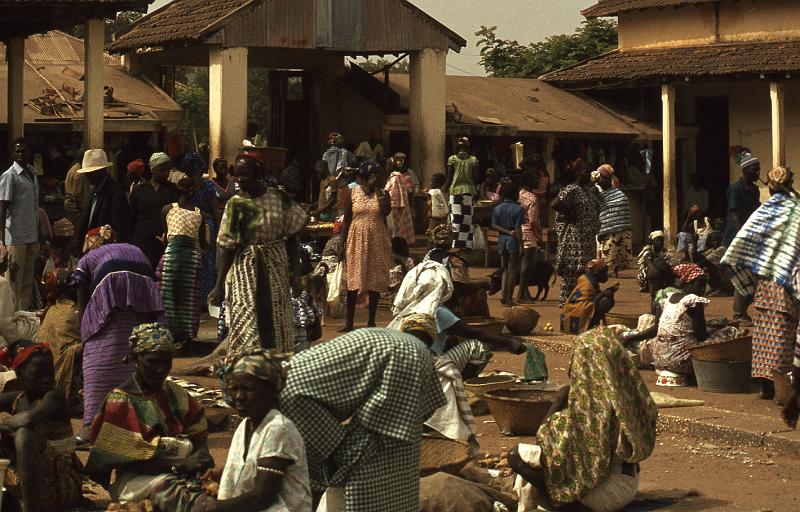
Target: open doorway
712,151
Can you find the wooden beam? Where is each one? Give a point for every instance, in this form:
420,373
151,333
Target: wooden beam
94,40
670,187
15,56
777,95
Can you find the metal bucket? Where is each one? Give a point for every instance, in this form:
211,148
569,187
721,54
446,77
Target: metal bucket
723,376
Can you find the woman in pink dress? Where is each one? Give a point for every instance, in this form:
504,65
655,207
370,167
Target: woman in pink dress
368,250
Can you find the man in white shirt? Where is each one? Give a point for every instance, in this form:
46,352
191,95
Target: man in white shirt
19,199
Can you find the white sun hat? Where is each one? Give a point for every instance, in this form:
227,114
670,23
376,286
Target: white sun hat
94,160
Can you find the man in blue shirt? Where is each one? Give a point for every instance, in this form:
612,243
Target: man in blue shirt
507,219
19,228
743,200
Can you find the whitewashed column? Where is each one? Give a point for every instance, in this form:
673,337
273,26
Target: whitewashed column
670,197
777,96
427,119
227,101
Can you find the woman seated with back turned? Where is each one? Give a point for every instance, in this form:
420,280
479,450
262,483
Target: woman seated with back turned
598,430
587,305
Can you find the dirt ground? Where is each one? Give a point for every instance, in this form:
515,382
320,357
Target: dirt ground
703,474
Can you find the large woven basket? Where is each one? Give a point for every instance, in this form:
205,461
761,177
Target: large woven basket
487,324
629,321
482,385
519,411
440,454
735,350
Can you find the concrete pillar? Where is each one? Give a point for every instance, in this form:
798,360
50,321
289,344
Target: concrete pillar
93,81
777,96
15,56
671,206
227,101
426,119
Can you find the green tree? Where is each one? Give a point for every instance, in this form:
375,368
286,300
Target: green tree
121,22
509,58
193,99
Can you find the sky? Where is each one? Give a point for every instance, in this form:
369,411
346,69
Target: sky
524,20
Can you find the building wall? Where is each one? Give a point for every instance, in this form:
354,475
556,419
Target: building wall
750,120
746,20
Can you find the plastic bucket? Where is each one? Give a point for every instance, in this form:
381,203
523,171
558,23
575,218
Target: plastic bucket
723,376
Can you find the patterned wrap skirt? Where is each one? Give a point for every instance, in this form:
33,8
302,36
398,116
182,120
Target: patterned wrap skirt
775,327
259,300
181,287
461,219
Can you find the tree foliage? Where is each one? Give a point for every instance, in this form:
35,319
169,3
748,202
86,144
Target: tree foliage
509,58
122,21
375,65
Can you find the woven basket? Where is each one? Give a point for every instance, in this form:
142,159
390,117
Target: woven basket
521,320
735,350
491,325
482,385
629,321
518,411
440,454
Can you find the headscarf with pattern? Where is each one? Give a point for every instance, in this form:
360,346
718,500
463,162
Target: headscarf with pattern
688,272
420,322
152,337
261,364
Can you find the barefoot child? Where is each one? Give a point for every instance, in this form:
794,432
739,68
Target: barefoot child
507,219
45,473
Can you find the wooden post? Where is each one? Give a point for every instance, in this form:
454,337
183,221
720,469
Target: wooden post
227,101
670,197
94,40
15,56
426,112
777,96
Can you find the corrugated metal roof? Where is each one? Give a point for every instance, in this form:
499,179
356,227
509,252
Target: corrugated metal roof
712,60
350,26
527,105
54,66
615,7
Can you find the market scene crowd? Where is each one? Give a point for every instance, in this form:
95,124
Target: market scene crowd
98,300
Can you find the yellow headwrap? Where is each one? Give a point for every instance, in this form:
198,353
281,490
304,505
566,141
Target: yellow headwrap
419,322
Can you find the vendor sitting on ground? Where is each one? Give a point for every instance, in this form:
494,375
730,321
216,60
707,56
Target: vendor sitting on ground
61,329
461,352
598,430
682,326
654,249
149,430
45,474
266,468
587,305
719,276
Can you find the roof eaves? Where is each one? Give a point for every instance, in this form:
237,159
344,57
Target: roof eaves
459,42
544,77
